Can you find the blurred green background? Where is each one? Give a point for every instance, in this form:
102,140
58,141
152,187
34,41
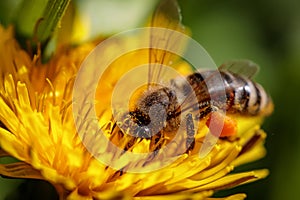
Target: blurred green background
267,32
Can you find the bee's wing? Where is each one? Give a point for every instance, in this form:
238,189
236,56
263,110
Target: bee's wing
166,18
246,68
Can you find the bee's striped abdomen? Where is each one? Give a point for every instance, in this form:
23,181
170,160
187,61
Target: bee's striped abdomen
247,97
235,93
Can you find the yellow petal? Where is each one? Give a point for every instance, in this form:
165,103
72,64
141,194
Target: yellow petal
20,170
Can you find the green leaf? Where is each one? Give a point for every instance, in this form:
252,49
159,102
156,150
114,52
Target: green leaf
38,18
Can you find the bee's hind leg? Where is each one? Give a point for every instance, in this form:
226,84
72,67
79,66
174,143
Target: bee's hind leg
190,130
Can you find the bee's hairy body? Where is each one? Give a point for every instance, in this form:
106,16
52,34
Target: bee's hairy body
240,95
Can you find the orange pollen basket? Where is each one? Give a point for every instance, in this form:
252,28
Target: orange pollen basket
221,125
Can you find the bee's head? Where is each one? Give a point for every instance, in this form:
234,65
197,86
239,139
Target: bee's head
153,107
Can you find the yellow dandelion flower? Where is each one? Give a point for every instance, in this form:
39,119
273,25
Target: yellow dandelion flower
38,129
51,132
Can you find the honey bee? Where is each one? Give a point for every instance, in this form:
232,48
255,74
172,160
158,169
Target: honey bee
158,109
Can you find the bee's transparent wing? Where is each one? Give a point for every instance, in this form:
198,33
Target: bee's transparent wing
164,38
169,11
246,68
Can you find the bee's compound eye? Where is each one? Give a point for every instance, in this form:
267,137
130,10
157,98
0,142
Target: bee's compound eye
157,113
